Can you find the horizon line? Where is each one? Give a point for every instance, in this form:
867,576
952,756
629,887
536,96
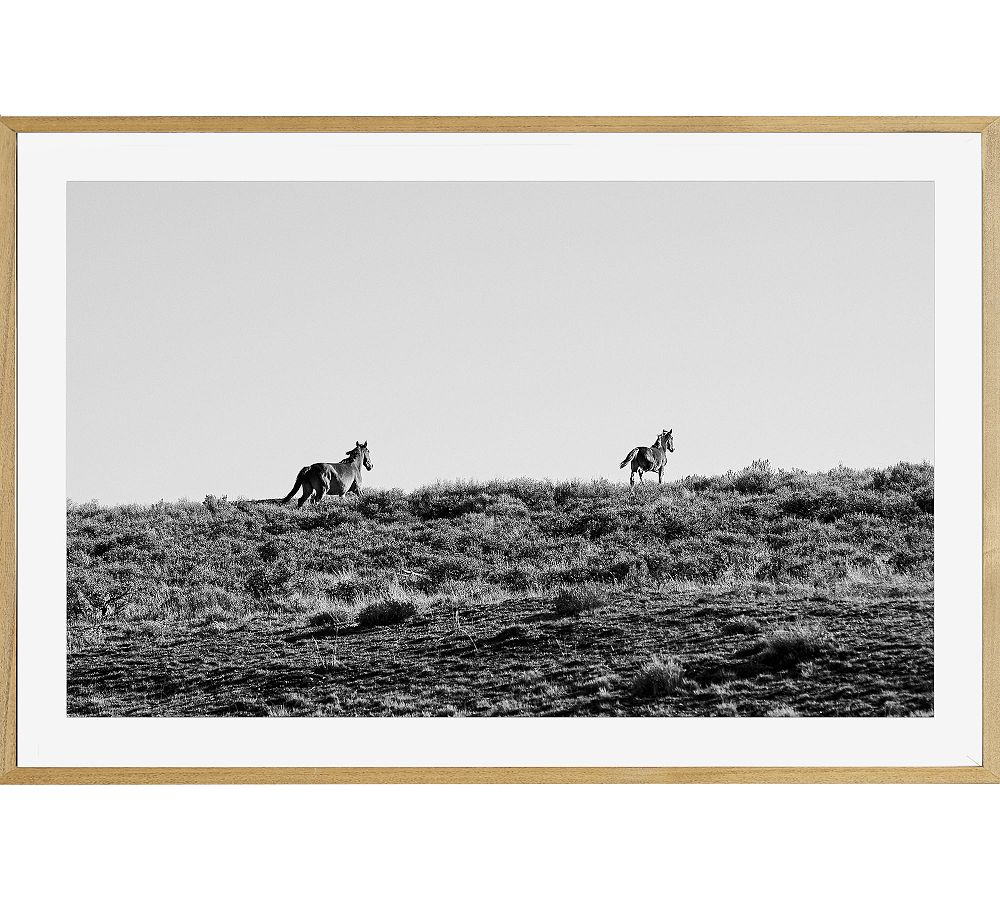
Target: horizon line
486,482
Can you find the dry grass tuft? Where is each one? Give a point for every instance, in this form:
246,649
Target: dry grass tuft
782,712
579,598
741,625
659,677
336,614
792,645
386,611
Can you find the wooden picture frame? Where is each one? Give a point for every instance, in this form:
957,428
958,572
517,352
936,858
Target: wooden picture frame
989,129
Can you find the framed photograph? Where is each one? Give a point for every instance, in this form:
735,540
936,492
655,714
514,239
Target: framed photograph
499,450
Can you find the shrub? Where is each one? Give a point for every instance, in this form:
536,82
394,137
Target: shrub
659,677
741,625
215,505
336,614
358,588
757,478
386,611
787,646
701,483
270,579
580,598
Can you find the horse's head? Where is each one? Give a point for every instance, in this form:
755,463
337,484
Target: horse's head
359,454
667,440
366,457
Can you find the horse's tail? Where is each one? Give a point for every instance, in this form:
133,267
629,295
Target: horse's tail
297,485
625,461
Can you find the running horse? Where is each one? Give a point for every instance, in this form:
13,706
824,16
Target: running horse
337,479
650,459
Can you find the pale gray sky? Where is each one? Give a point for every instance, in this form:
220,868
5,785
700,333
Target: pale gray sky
222,335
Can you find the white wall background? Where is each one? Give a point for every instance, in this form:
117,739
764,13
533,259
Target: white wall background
513,58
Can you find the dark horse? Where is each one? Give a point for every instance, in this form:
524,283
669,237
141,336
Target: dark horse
649,459
332,478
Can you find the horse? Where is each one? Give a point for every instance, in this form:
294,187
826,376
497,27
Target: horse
337,479
649,459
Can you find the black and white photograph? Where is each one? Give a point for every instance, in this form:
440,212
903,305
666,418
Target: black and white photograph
500,449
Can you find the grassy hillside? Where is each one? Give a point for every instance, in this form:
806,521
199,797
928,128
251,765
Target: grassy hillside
758,592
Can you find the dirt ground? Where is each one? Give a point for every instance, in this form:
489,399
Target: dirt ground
864,650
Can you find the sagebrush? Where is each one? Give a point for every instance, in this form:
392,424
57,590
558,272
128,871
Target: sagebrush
756,593
182,559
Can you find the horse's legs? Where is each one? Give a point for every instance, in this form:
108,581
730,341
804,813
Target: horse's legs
307,490
641,473
631,479
322,489
355,488
659,472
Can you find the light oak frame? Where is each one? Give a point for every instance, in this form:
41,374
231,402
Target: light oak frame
989,129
